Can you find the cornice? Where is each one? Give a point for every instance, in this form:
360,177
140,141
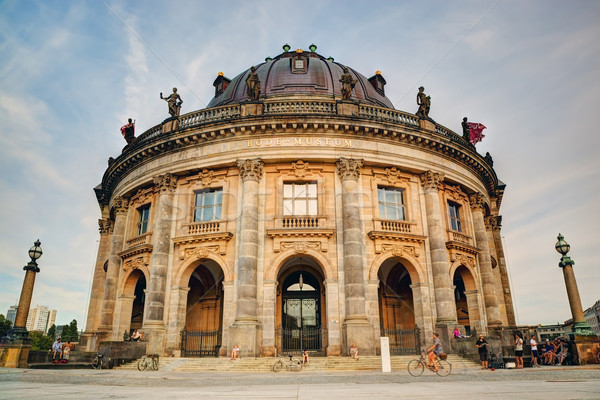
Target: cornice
452,245
399,237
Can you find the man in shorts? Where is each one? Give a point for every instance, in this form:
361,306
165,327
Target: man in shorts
434,351
534,351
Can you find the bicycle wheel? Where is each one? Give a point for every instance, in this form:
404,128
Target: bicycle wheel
416,367
142,364
155,364
96,364
444,368
277,366
296,365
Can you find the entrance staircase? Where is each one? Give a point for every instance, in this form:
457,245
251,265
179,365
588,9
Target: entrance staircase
264,364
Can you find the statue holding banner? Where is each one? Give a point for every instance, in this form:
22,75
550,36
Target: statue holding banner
128,131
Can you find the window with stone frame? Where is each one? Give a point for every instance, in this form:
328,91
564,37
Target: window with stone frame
454,213
391,203
143,218
300,198
208,205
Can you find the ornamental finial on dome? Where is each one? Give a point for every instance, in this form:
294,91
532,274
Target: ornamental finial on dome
286,47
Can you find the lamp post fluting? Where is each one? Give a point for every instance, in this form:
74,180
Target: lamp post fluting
19,331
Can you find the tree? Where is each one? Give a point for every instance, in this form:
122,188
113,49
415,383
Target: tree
40,341
70,332
5,325
52,332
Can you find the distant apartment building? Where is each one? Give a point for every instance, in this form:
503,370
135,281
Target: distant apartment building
11,314
592,317
40,318
549,332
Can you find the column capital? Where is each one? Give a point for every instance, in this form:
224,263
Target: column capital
251,170
349,168
477,202
165,183
493,222
120,205
105,226
431,180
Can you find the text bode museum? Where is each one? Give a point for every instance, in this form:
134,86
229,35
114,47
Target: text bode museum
298,210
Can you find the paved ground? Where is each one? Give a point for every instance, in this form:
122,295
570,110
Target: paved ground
544,383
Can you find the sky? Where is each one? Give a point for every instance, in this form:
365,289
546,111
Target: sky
72,72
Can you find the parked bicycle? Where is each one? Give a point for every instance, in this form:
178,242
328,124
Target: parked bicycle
416,367
149,361
98,362
293,364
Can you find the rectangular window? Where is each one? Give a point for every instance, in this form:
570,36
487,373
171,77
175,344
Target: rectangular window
208,205
300,198
391,203
143,217
454,211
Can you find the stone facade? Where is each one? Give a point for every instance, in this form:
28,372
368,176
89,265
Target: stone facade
292,218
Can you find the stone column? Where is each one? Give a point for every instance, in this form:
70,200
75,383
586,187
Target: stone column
489,221
177,319
93,316
125,306
440,262
506,292
154,321
245,330
358,330
423,314
106,328
269,299
334,328
25,300
477,201
474,315
228,315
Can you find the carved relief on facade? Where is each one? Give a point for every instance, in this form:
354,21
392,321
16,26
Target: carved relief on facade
399,250
105,226
395,176
301,169
136,263
495,222
120,205
455,194
431,180
477,201
462,258
207,177
349,168
251,169
165,183
141,197
198,252
301,247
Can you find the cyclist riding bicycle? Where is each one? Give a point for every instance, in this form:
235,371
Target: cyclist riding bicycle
434,352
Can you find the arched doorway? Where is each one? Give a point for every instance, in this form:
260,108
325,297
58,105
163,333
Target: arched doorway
463,281
300,308
396,308
137,309
204,312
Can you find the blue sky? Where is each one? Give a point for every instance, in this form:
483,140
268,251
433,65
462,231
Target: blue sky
72,72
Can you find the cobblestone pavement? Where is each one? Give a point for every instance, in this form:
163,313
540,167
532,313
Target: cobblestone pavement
543,383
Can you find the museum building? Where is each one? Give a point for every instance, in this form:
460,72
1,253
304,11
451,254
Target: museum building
298,210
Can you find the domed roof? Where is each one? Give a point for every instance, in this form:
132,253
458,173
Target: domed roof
300,73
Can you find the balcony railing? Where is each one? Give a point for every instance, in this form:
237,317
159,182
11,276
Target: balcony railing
209,115
460,237
386,114
299,107
199,228
396,226
306,221
146,238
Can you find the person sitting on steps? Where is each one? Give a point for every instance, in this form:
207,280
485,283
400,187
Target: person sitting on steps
235,353
305,357
354,351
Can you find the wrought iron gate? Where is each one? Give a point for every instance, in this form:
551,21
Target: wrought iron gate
403,341
200,343
297,340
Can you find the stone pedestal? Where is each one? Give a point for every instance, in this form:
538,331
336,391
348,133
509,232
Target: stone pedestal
170,124
246,334
585,349
345,107
360,332
427,125
155,335
14,355
251,108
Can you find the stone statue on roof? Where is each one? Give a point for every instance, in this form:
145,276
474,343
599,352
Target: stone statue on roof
253,84
347,84
424,103
174,101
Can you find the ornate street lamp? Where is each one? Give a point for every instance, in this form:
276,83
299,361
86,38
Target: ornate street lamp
19,332
580,326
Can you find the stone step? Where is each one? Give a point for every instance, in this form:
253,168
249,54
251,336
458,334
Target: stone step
265,364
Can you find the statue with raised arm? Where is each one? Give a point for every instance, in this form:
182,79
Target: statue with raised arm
424,103
347,84
253,84
174,101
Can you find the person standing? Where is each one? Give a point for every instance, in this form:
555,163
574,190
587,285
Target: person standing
519,351
481,345
534,351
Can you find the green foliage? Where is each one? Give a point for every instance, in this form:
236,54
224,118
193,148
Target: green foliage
70,332
52,332
5,325
40,341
